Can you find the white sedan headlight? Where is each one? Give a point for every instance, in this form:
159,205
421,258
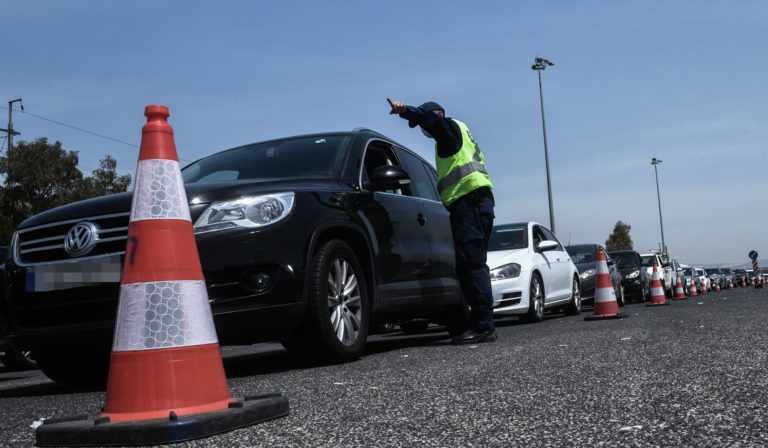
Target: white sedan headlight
247,212
634,274
586,274
511,270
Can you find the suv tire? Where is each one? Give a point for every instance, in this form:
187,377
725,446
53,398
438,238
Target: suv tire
16,359
81,369
335,326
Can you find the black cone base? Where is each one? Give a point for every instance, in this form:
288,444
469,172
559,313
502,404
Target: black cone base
88,431
606,317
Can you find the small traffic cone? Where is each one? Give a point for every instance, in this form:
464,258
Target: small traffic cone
703,291
166,378
717,286
679,291
606,306
658,298
693,291
730,284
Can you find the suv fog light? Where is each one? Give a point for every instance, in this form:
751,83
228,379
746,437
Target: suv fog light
257,281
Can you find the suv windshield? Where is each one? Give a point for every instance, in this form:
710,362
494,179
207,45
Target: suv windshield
509,237
688,272
311,157
648,260
726,271
624,260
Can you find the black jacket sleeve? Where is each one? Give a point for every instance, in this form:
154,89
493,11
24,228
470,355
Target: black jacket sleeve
445,132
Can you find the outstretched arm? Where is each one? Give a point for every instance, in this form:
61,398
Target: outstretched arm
445,132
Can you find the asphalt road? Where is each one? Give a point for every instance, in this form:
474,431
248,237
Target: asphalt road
693,373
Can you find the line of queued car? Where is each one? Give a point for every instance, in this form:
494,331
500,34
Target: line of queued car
315,241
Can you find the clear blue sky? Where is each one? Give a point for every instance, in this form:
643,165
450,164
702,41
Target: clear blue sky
683,81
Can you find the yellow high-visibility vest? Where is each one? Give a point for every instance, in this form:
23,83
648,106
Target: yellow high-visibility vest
462,172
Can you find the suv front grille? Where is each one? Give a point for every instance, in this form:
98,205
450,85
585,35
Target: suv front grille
45,243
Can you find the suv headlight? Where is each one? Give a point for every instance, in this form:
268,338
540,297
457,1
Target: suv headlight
586,274
634,274
247,212
511,270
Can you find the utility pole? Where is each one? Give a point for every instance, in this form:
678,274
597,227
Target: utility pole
10,130
655,162
11,133
539,65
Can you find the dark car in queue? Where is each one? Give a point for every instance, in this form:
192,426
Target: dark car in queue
311,240
634,276
584,256
726,276
740,277
715,277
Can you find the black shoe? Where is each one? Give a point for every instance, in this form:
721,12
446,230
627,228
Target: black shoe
473,337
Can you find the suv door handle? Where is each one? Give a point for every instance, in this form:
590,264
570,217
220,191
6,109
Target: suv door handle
421,219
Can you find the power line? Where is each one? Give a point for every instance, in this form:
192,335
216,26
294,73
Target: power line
75,128
82,130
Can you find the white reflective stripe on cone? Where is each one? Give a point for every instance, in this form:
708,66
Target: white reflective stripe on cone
163,315
159,191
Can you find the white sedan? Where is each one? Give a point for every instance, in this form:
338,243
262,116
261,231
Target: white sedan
531,271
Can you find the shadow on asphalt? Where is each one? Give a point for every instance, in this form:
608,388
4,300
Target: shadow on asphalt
45,389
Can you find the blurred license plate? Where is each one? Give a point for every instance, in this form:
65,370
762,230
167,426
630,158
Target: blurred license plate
75,274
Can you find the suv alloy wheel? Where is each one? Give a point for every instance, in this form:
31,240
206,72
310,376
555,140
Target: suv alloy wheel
336,323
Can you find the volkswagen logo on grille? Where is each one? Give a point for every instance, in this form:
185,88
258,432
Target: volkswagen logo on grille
81,239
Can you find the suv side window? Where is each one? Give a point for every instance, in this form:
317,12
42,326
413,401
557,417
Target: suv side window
378,154
421,183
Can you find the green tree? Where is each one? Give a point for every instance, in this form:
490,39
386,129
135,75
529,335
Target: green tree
104,180
39,176
619,239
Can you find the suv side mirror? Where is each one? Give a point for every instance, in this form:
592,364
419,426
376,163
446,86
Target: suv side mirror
547,245
388,177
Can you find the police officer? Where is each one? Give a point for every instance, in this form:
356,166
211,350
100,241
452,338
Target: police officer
465,190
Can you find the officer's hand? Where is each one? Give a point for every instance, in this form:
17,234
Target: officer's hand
397,106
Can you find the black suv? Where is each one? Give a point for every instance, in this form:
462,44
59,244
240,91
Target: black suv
309,240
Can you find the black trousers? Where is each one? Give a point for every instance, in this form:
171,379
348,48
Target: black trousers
472,223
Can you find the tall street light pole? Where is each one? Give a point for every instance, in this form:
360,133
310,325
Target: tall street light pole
539,65
655,163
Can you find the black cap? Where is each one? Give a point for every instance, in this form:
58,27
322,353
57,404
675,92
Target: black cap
430,106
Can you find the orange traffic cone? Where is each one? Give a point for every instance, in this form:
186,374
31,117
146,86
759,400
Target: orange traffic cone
693,291
703,291
606,306
717,286
679,291
166,377
657,291
730,283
